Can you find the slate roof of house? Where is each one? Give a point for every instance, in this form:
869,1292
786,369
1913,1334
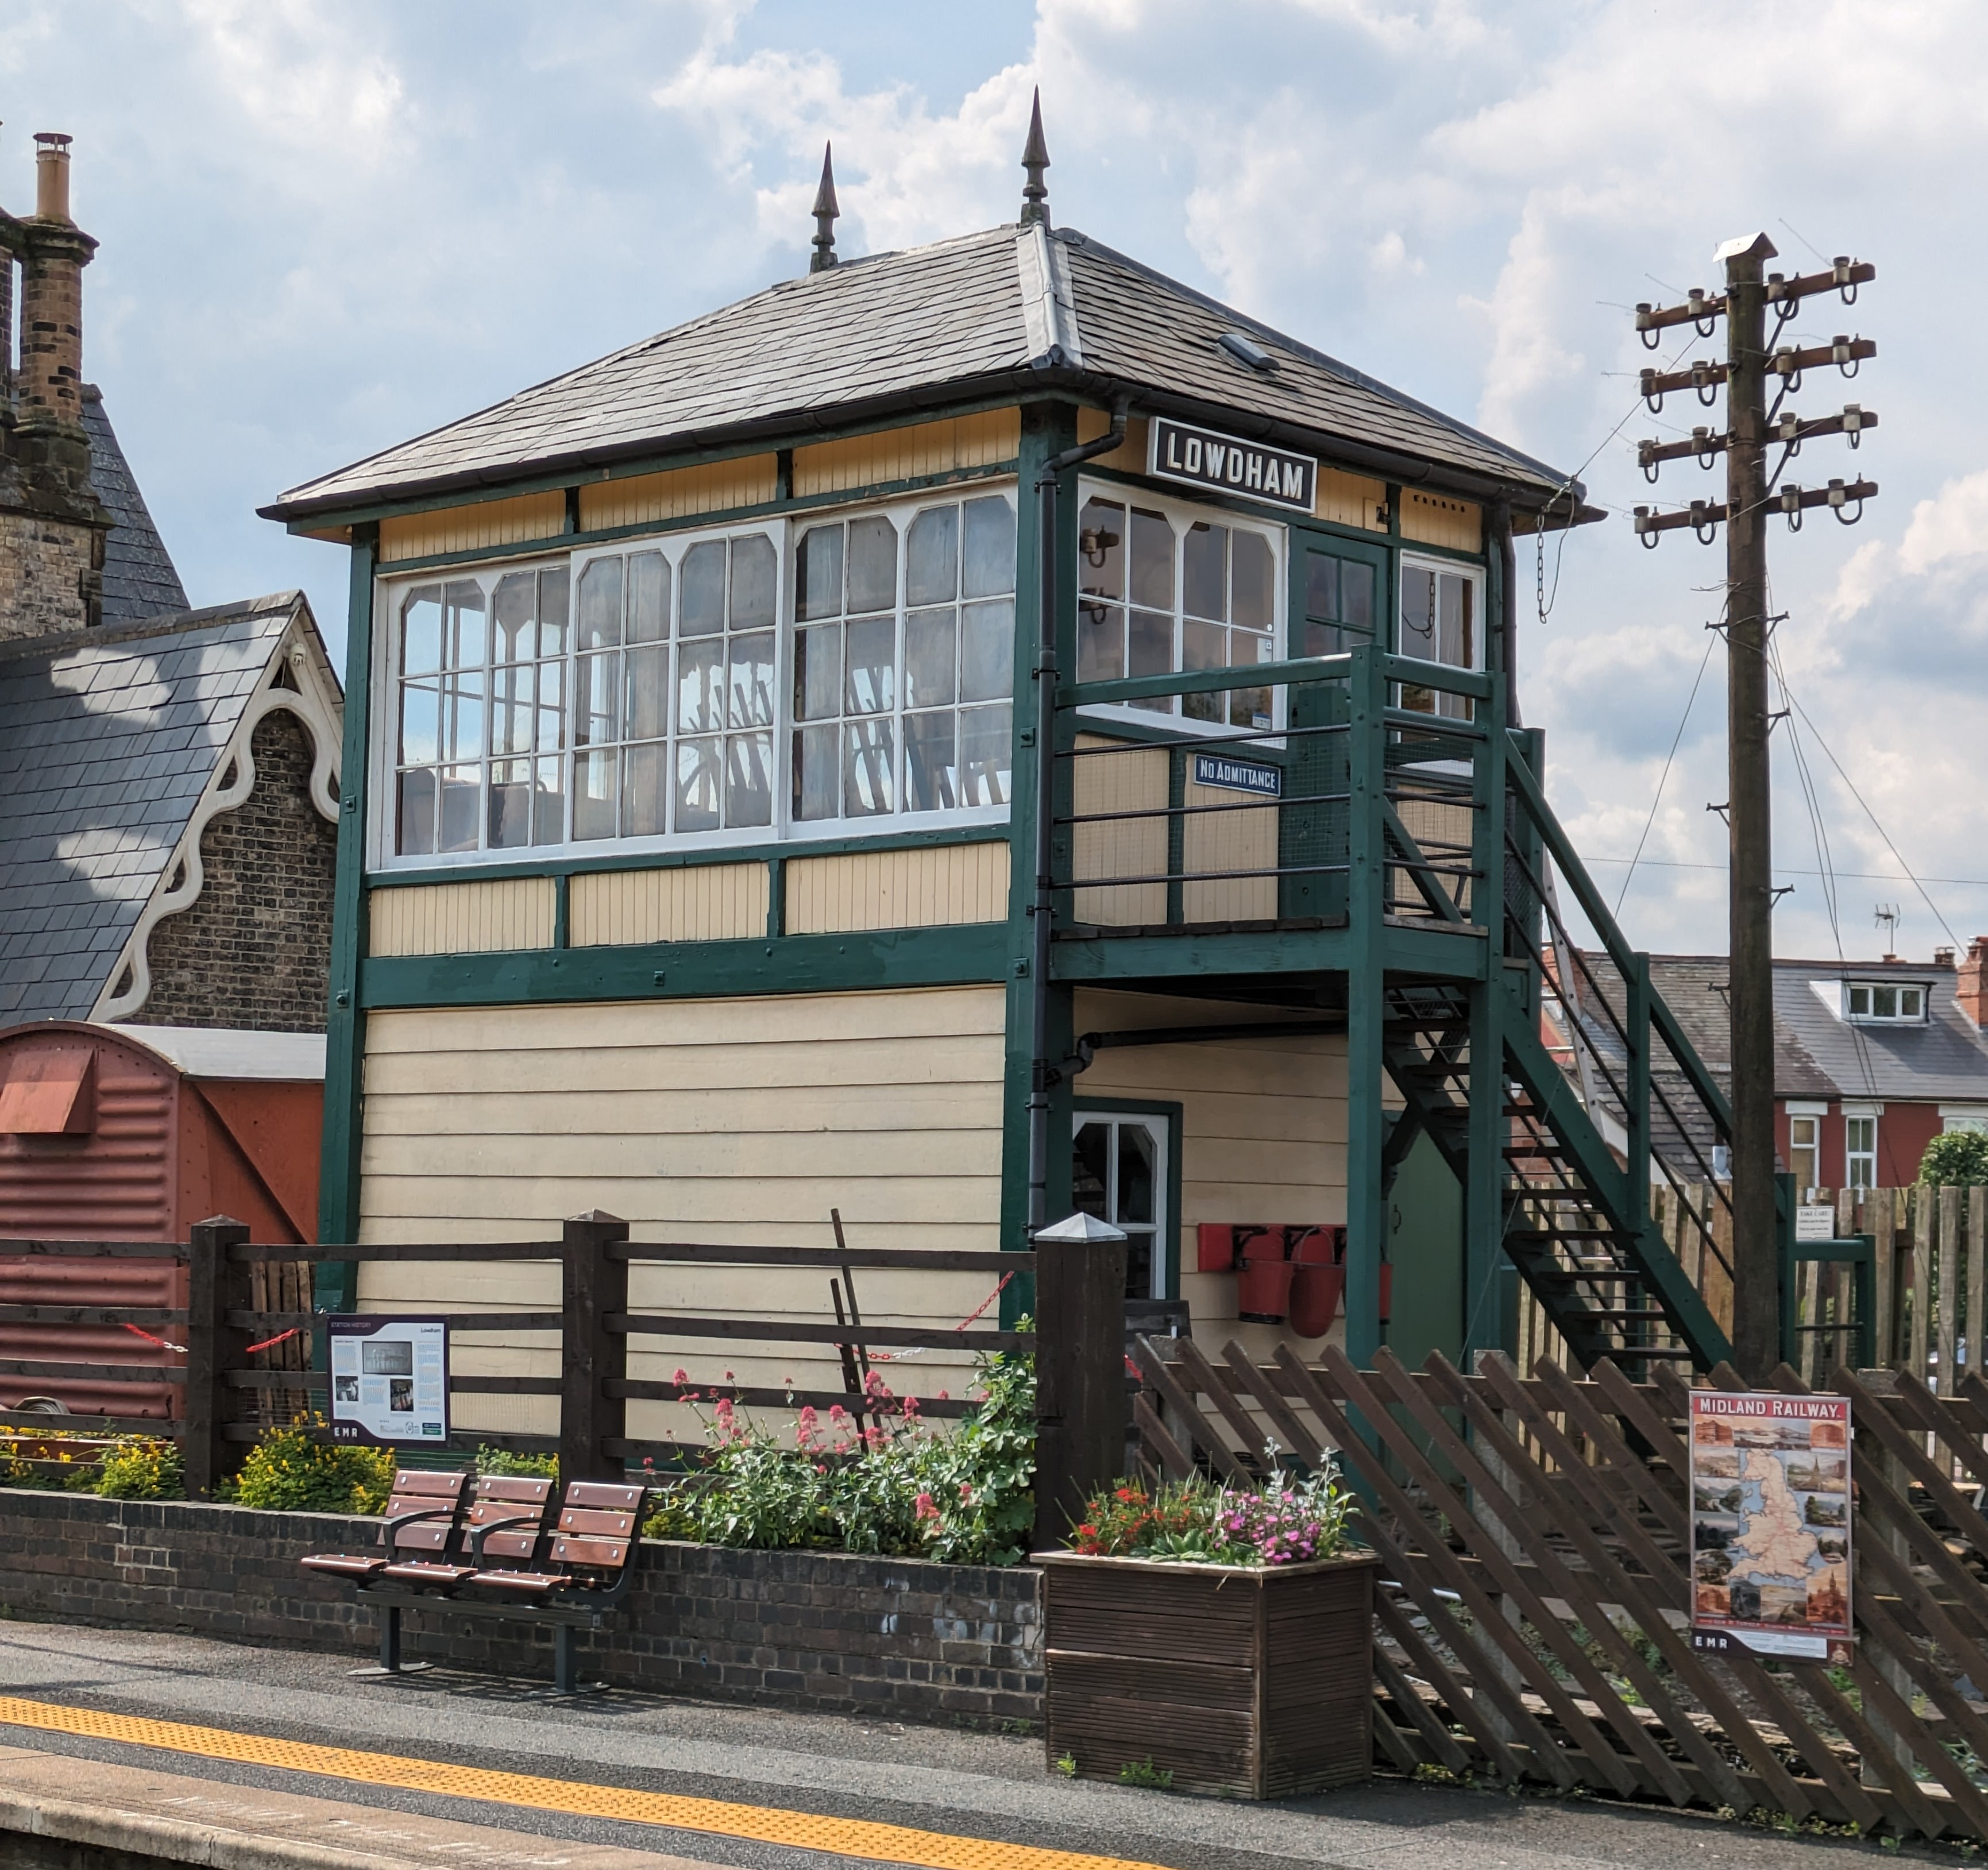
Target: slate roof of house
1817,1053
106,743
992,312
139,579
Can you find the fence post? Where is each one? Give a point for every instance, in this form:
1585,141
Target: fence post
1081,1412
593,1285
212,1350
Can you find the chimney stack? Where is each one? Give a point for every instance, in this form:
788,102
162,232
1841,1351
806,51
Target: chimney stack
51,175
50,396
1970,987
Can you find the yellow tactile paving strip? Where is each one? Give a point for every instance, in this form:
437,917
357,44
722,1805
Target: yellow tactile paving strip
894,1844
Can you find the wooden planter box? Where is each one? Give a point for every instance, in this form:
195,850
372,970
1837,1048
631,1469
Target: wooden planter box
1256,1682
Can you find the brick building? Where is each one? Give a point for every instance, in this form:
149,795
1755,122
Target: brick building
168,776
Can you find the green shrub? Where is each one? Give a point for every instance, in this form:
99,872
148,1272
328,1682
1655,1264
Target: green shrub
897,1487
138,1467
287,1471
1959,1159
504,1461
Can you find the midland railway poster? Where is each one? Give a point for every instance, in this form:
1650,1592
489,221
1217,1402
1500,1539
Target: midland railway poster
1770,1523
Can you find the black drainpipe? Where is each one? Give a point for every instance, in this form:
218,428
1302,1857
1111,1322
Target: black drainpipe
1041,1075
1508,571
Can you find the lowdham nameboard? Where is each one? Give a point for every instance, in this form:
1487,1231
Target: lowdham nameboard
388,1380
1206,457
1770,1524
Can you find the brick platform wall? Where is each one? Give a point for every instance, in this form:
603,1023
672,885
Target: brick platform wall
254,948
946,1643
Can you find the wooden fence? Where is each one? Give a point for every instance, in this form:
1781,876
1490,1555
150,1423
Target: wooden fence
1534,1535
249,1332
1932,1279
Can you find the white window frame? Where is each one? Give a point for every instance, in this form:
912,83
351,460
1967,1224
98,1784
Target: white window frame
1182,515
1807,1113
1165,1227
1860,1113
391,586
1455,707
1923,988
1972,1117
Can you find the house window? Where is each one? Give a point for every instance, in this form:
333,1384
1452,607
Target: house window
1440,623
1859,1149
1165,589
1118,1173
1879,1001
1805,1147
1339,604
904,662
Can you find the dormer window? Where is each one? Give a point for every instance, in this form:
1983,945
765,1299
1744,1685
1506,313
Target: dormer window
1884,1002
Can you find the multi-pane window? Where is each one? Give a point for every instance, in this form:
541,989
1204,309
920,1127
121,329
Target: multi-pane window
1805,1148
1439,623
1118,1173
1339,603
1163,592
904,662
1860,1148
674,690
1878,1000
481,715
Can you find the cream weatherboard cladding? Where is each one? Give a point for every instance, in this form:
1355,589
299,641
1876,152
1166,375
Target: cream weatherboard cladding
696,902
740,1121
851,891
1262,1131
462,919
679,493
924,449
1435,519
514,522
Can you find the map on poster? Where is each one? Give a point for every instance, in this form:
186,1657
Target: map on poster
1770,1523
389,1379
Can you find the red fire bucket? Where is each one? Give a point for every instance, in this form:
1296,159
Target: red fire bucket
1263,1279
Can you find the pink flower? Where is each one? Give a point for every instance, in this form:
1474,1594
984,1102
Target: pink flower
681,1376
727,1376
945,1395
927,1509
837,1414
809,1427
911,1405
965,1493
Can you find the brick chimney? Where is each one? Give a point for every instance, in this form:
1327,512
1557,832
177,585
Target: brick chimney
1971,987
52,526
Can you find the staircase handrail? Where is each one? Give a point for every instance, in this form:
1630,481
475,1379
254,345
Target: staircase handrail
1589,898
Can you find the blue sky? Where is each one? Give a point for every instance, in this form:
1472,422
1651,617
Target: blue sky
327,227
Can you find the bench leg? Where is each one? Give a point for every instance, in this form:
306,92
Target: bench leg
564,1672
390,1639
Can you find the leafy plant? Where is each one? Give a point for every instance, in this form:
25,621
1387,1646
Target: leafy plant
892,1485
287,1471
490,1460
1289,1520
1144,1773
1066,1765
139,1467
1959,1159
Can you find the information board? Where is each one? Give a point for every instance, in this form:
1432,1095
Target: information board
1814,1223
388,1380
1770,1523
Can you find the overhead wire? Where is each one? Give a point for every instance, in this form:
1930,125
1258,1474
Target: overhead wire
1677,740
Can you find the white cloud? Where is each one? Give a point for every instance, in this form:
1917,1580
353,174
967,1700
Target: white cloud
1953,525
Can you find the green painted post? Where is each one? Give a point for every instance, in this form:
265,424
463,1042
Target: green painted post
1484,1173
1366,1004
336,1282
1637,1006
1046,430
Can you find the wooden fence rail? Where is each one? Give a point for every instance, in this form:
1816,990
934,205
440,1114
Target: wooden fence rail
1535,1537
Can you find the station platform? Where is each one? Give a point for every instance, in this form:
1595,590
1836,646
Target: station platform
120,1749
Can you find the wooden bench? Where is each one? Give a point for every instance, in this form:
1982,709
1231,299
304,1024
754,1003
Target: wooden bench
505,1565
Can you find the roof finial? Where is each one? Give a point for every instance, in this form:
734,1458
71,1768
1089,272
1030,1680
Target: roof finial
825,211
1035,159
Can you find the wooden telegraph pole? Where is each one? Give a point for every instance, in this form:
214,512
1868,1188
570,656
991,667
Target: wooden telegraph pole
1752,427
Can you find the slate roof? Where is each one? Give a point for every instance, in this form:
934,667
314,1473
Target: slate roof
106,742
999,311
1817,1055
139,580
